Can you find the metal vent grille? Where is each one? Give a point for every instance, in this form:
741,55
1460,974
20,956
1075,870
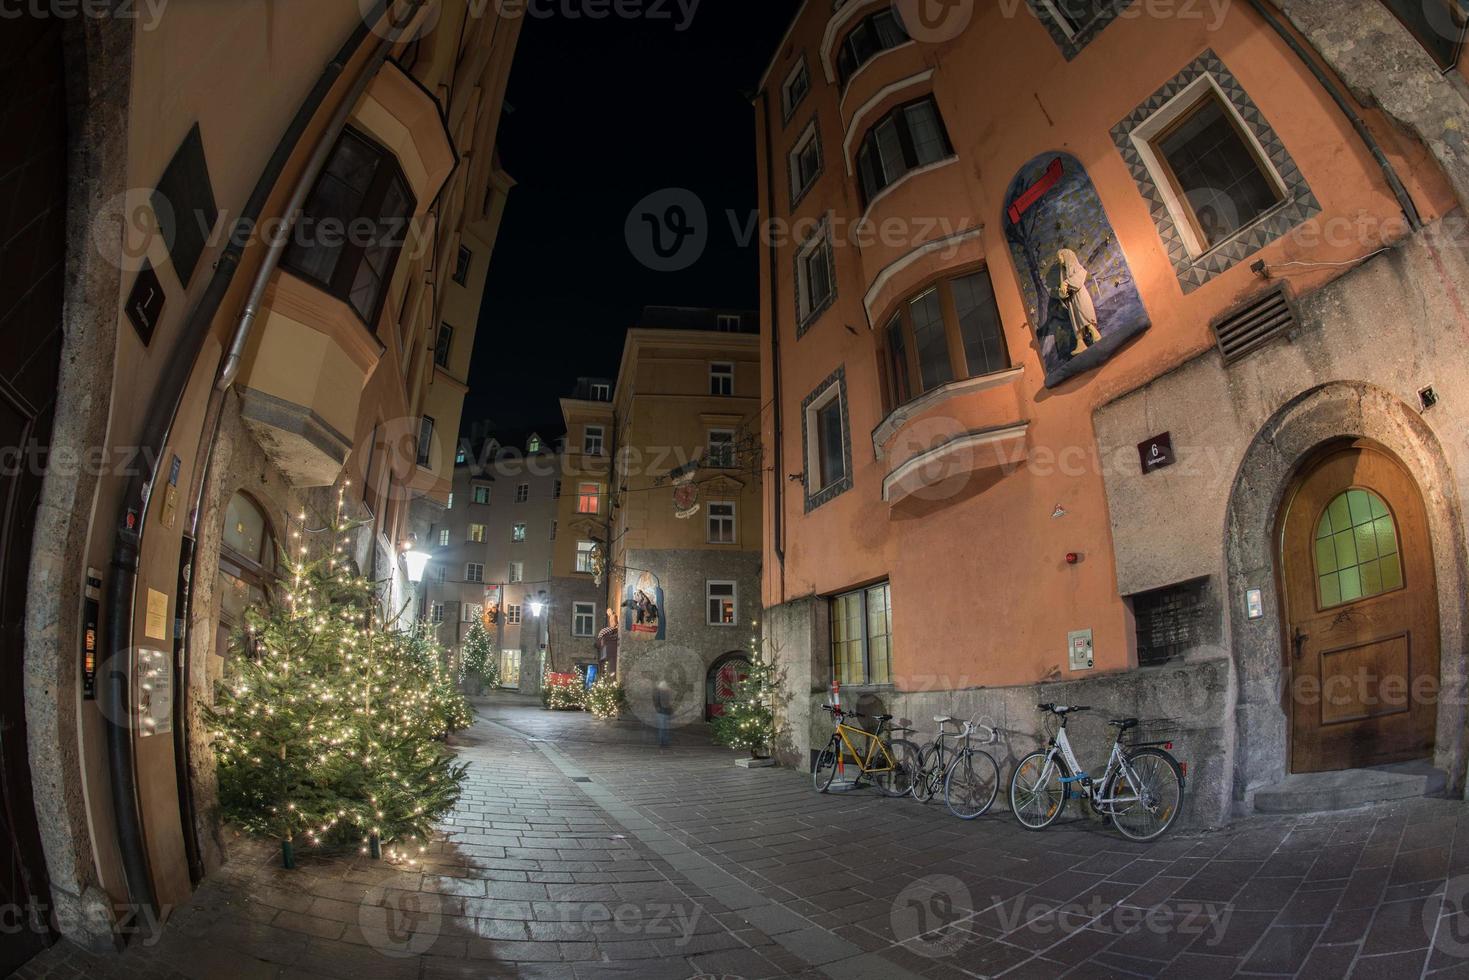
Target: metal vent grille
1254,324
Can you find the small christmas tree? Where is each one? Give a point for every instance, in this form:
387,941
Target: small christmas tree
479,668
749,718
606,699
563,692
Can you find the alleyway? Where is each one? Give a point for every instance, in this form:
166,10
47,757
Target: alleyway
579,850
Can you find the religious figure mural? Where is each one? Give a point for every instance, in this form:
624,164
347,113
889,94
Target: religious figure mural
1079,291
642,608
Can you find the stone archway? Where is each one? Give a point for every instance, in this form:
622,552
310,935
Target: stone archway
1332,412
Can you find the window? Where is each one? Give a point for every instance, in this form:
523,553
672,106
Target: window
923,338
1218,180
592,440
481,495
461,265
909,137
815,273
512,615
477,533
469,612
793,91
246,565
872,36
861,636
1357,553
437,613
360,187
450,504
553,530
721,450
461,456
474,572
804,163
441,574
583,618
1439,25
517,533
556,490
721,378
443,346
722,605
534,445
721,516
584,551
826,438
589,498
729,322
425,441
522,493
517,571
444,538
1074,16
601,393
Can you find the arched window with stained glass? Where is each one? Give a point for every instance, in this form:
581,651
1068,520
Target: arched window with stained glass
1357,555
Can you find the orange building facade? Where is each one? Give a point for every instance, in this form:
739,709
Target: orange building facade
1081,327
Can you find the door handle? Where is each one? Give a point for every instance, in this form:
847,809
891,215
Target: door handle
1298,641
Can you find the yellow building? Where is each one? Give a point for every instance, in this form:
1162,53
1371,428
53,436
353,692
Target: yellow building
261,247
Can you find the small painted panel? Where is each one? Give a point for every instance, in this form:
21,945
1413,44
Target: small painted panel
1079,291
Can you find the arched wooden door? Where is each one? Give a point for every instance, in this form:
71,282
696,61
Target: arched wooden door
723,682
1362,634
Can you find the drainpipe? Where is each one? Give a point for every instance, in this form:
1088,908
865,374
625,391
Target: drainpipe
778,476
1405,200
120,598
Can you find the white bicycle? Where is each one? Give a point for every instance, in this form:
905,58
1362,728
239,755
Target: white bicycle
1141,790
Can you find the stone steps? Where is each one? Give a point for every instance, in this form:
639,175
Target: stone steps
1319,791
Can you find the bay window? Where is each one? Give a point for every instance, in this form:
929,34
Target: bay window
949,331
874,34
908,137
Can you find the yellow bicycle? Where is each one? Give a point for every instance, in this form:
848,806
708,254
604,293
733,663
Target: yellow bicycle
889,763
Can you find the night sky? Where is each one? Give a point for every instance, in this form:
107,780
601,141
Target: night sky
605,113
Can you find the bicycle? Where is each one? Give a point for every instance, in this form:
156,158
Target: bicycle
969,777
1141,790
889,763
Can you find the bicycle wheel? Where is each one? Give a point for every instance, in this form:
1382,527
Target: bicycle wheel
898,781
971,784
1157,792
825,769
930,772
1037,795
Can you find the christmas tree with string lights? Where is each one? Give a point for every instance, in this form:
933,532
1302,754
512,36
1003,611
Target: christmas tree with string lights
329,723
749,718
479,670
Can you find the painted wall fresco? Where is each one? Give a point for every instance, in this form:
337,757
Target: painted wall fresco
1079,291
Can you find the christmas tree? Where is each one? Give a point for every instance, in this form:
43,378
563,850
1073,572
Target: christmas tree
479,668
329,722
749,718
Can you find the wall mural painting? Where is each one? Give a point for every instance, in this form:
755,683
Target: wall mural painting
642,608
1079,291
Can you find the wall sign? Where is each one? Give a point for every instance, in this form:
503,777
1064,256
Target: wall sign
155,623
1079,291
155,693
1255,604
1156,453
90,608
145,303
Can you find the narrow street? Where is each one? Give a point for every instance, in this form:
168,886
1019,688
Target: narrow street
581,850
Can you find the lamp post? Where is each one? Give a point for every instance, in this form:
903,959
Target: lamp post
415,562
540,610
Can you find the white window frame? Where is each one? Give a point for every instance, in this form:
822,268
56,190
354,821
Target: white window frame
710,598
469,612
516,572
444,537
441,574
450,504
601,393
584,557
480,490
518,533
474,571
731,519
477,534
522,493
806,309
729,322
587,610
809,137
721,376
787,104
512,615
1143,135
832,393
727,459
594,440
436,612
580,496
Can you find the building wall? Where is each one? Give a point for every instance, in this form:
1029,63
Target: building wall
983,596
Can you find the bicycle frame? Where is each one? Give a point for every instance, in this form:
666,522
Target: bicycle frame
1116,762
875,747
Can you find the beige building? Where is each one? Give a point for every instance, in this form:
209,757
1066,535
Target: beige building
673,527
261,246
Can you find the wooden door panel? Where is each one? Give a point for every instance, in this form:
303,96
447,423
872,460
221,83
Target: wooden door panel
1361,601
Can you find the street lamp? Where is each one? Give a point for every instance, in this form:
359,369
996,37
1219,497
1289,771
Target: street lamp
538,603
414,561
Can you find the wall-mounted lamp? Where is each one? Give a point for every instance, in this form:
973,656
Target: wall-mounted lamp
415,562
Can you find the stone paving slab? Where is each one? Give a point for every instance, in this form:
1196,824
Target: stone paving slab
581,850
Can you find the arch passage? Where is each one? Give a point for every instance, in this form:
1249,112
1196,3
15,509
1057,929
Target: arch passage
723,681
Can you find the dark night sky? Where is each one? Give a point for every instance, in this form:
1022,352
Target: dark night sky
605,113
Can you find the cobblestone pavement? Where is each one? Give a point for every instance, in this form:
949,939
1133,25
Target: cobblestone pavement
580,850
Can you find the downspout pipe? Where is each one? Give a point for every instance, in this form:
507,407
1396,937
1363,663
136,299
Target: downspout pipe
319,156
777,481
120,596
1405,200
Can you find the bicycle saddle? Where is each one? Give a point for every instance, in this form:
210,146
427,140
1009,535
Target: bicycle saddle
941,719
1124,723
1063,709
883,717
